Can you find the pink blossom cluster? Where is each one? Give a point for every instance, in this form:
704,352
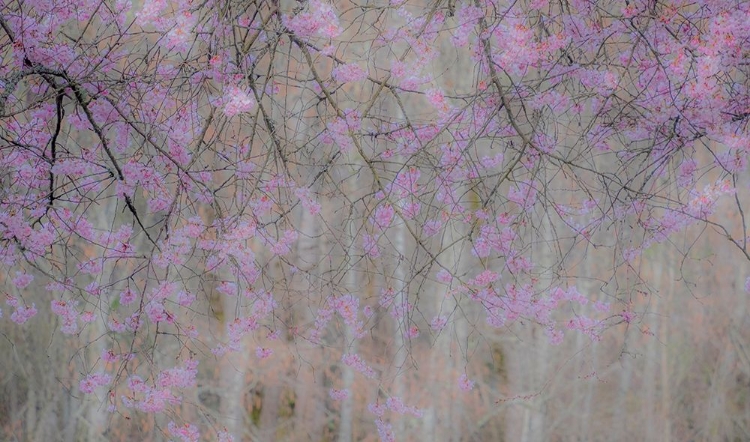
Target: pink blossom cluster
444,276
405,184
179,377
180,35
431,227
484,279
155,399
703,203
464,383
572,295
385,430
396,405
22,280
493,162
438,323
283,245
491,239
22,313
68,313
157,313
238,101
356,362
348,307
338,395
347,73
92,381
320,20
588,326
225,436
383,216
110,356
186,432
263,352
127,296
467,16
238,329
338,132
437,99
524,194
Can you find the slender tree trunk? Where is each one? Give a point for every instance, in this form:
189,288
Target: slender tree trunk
399,343
310,410
651,374
96,414
666,394
347,405
589,288
535,415
233,370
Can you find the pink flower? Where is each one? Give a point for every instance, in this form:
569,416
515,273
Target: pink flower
554,336
348,307
127,296
409,209
319,20
187,432
523,194
156,313
385,431
224,436
398,69
238,102
628,316
432,227
179,377
368,311
348,73
377,409
185,299
485,278
464,383
150,12
23,314
413,332
22,280
358,364
601,306
686,172
492,162
93,381
438,323
437,100
444,276
383,216
116,326
91,267
396,405
162,291
338,395
263,353
109,356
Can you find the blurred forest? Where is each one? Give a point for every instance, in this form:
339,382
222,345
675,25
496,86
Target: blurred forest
680,371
